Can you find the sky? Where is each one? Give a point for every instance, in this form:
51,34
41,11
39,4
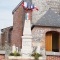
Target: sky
6,8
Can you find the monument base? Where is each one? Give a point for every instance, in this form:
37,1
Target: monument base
26,46
26,58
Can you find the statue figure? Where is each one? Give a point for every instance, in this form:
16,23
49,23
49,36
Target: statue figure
27,16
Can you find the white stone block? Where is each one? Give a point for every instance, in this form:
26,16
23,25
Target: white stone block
13,48
26,39
27,28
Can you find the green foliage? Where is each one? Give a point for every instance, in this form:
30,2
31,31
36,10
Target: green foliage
36,55
15,54
11,54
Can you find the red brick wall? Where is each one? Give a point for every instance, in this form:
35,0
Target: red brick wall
18,18
20,59
5,36
2,57
53,58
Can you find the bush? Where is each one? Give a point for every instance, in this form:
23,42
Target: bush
11,54
36,55
15,54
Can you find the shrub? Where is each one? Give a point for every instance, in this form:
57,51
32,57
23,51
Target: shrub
15,54
36,55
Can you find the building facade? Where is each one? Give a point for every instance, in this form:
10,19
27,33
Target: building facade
45,28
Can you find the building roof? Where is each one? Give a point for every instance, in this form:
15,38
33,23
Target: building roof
29,1
16,7
9,28
50,19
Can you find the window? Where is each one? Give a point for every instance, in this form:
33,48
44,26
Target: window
52,41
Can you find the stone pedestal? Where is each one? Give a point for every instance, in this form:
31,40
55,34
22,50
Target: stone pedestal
26,45
27,39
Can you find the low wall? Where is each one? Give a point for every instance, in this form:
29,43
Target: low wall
2,57
20,59
53,58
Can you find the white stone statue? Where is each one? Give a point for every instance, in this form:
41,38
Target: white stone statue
13,48
16,49
27,16
27,38
38,49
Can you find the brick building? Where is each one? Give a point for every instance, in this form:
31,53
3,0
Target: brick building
45,29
